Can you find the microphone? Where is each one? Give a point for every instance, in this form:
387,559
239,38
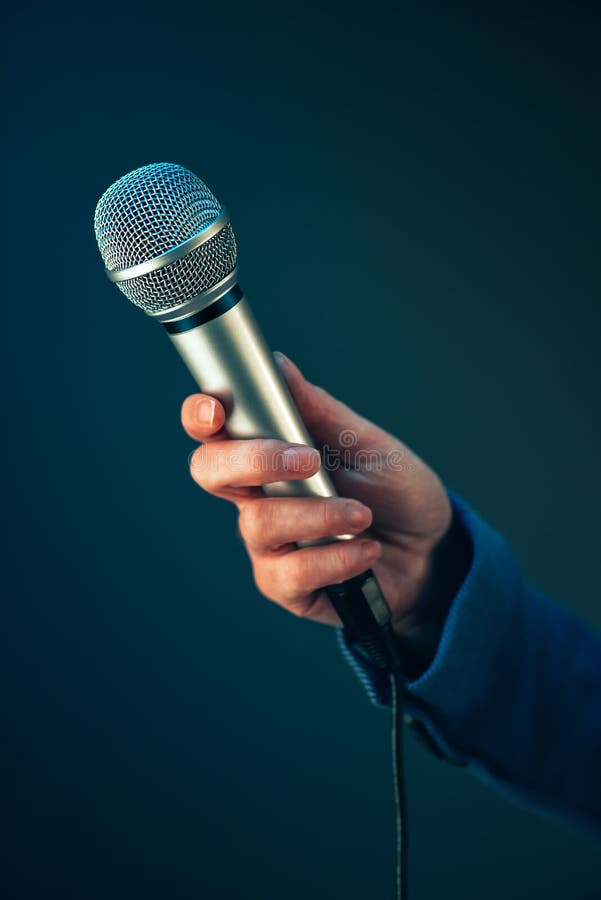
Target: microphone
168,245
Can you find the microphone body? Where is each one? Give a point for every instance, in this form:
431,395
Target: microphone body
230,360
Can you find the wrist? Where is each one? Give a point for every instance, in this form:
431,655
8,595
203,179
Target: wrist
419,631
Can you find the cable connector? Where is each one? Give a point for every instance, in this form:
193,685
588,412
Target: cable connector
366,618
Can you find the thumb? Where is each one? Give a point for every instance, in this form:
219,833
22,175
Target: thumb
327,419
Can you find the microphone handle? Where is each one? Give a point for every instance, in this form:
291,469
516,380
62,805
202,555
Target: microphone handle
222,346
229,359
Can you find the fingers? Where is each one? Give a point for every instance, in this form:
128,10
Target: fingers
203,417
267,524
220,466
294,579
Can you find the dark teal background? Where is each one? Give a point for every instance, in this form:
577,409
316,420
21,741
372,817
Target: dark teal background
416,196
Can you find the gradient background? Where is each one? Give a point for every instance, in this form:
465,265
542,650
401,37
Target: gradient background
416,197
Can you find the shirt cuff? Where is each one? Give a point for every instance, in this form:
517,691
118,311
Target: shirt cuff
478,624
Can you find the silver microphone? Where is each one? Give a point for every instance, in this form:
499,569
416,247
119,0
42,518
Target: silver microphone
168,245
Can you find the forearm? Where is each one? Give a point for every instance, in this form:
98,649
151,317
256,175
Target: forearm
514,688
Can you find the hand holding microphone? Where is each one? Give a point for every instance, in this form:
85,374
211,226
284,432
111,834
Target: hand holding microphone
388,496
167,243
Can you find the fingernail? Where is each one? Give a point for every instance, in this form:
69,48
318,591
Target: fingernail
355,513
370,549
280,357
297,459
205,411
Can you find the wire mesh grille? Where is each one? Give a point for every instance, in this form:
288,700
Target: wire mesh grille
187,277
148,212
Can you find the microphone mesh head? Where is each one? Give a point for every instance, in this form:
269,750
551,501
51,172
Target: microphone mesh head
150,211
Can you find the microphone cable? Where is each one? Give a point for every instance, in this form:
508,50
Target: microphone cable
367,622
398,778
383,651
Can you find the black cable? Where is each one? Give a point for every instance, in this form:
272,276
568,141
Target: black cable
400,795
367,621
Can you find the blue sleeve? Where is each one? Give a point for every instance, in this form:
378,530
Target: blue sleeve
514,691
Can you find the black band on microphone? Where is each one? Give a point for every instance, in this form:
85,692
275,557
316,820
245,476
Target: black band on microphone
213,311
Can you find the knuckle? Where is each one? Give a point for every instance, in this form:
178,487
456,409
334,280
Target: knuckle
300,610
268,583
328,515
301,573
260,455
249,521
341,556
263,582
276,584
198,466
258,522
